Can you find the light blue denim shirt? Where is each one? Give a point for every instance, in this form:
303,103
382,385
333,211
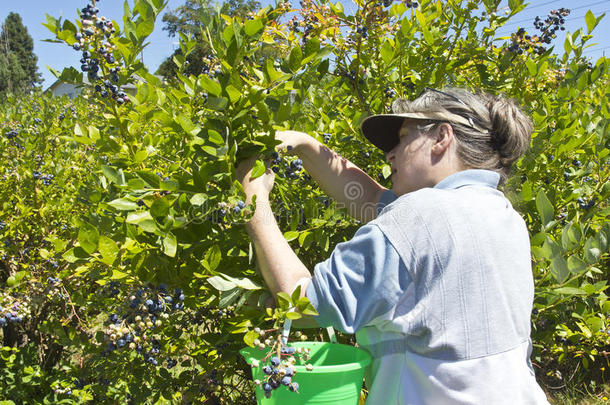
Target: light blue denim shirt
439,290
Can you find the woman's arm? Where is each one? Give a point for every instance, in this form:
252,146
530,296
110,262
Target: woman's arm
342,180
280,267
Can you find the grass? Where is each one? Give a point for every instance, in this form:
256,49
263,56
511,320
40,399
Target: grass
580,396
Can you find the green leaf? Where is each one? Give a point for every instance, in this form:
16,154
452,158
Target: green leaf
213,256
170,244
532,67
559,269
229,297
272,74
217,103
118,275
259,169
88,237
294,60
149,177
250,337
211,86
309,310
592,250
114,175
386,170
570,291
160,207
187,125
198,199
123,204
591,21
291,235
284,300
293,315
576,265
221,284
296,294
544,207
108,249
143,219
252,27
387,51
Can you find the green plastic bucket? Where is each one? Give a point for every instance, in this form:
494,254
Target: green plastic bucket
336,378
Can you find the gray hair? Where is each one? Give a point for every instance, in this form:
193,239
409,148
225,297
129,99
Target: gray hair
499,132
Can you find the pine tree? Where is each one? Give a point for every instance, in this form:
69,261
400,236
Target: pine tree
18,63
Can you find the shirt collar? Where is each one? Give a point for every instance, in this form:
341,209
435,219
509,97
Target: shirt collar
471,177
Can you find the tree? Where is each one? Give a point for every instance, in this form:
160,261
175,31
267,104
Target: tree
18,66
12,75
186,19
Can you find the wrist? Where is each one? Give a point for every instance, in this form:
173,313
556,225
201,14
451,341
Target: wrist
298,142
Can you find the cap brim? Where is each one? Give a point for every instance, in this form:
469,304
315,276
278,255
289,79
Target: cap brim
382,130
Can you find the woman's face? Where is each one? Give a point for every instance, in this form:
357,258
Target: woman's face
411,160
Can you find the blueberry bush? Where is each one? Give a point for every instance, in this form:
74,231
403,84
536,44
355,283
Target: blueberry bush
126,275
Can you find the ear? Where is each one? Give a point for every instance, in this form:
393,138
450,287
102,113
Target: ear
443,139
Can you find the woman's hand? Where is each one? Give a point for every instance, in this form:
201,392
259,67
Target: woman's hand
261,186
291,140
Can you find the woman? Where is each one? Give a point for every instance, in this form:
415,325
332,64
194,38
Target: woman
437,285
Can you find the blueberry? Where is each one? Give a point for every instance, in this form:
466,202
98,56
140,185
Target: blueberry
267,387
275,361
241,204
286,380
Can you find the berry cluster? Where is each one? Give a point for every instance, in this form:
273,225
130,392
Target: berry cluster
363,31
11,134
12,309
97,54
281,358
291,169
47,179
410,3
554,21
522,41
225,209
389,92
384,3
148,308
586,205
210,68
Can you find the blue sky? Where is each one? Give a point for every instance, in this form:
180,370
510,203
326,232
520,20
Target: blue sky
59,56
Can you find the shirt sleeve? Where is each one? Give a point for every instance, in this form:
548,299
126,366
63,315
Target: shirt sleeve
387,197
362,280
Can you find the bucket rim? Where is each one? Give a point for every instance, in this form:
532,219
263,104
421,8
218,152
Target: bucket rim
351,366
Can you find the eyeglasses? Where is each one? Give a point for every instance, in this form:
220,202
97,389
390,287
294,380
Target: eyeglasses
451,96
